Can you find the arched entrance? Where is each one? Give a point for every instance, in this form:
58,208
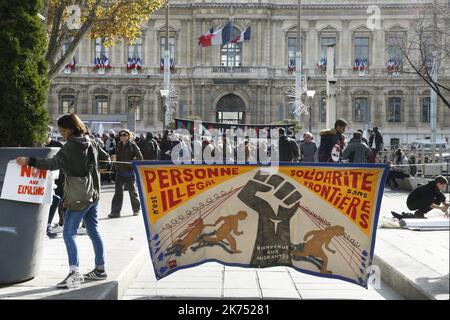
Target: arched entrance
230,109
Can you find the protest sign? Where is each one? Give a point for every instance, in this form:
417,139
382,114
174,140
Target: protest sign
317,218
27,184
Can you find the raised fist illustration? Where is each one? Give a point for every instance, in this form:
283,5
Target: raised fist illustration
276,201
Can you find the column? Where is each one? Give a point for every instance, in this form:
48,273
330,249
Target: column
377,108
345,107
410,106
378,45
148,46
311,45
346,48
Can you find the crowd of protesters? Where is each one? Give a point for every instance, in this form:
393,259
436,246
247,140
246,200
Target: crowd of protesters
161,147
86,160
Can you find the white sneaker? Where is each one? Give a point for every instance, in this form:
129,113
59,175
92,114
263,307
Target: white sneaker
55,229
81,231
73,280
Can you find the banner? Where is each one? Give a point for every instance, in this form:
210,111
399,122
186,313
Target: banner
316,218
28,184
203,126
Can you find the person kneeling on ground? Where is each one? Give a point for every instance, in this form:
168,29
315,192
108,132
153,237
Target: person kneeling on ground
425,198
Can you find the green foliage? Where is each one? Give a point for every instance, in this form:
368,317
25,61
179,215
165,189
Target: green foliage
171,125
23,80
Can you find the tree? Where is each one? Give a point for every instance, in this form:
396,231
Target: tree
430,33
23,81
111,20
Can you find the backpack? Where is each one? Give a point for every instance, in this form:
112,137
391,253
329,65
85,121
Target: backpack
149,149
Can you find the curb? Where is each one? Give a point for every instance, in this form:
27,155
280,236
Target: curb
409,277
107,290
399,282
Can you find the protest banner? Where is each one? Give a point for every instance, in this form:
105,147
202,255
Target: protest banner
317,218
27,184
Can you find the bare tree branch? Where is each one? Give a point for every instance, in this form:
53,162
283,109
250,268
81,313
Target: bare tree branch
55,67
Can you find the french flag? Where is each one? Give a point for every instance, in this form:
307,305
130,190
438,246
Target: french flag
218,38
205,39
245,35
222,36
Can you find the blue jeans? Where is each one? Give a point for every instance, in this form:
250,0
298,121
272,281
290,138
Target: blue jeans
72,221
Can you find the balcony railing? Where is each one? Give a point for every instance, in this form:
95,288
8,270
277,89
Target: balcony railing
231,69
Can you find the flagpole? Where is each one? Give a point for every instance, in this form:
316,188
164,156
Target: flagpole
298,62
167,71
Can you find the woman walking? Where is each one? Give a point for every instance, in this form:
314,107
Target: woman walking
126,151
79,159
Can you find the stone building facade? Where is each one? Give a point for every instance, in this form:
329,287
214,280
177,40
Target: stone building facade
251,82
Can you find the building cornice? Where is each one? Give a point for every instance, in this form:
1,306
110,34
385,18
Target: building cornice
293,6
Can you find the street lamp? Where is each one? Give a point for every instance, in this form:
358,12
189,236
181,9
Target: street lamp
310,94
164,96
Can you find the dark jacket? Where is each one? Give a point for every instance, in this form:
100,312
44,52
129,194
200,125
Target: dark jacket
357,152
424,196
73,159
378,141
328,139
59,191
289,150
149,149
126,153
166,147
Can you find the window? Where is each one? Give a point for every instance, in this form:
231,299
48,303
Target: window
362,48
292,49
394,44
231,53
100,49
324,42
101,105
230,109
426,110
67,104
135,50
135,102
394,109
427,50
323,109
361,110
162,47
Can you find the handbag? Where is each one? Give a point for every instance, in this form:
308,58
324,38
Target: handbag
80,192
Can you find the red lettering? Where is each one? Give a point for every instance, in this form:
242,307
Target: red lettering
43,174
363,223
351,210
149,179
366,184
319,176
25,171
163,178
355,176
343,203
337,178
176,179
190,190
